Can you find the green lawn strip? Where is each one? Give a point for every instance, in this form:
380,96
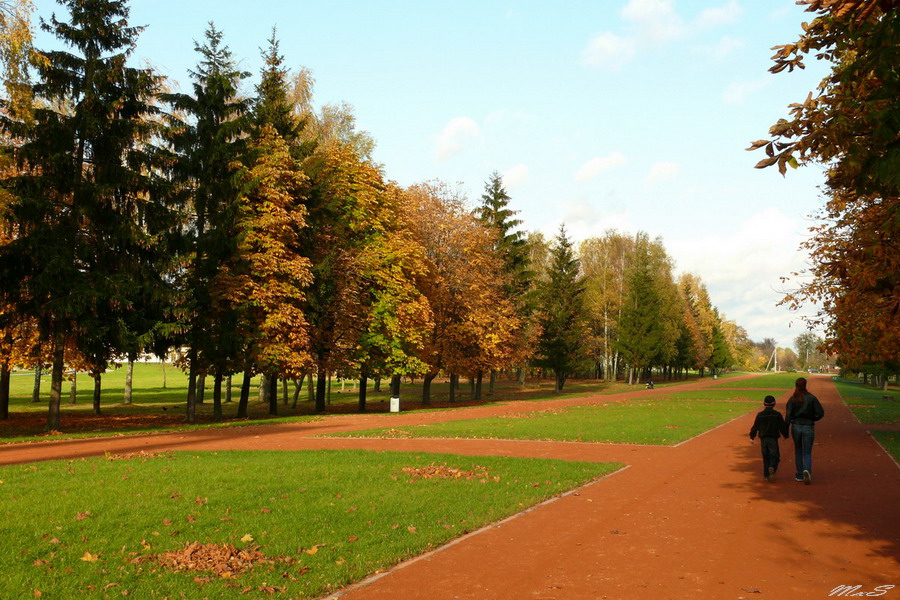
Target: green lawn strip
724,395
657,422
890,440
868,403
89,528
782,381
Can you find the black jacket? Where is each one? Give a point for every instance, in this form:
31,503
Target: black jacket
769,423
807,412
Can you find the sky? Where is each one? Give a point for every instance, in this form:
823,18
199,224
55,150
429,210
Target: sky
631,115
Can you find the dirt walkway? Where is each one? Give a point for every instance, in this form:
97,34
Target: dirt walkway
692,521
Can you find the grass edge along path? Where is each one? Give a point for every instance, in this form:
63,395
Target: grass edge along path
319,520
648,421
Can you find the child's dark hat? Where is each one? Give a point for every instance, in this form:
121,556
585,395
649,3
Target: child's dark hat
769,401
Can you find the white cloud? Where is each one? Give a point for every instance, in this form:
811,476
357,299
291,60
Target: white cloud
663,170
723,50
515,177
608,50
598,164
742,270
584,221
655,20
458,132
737,92
720,15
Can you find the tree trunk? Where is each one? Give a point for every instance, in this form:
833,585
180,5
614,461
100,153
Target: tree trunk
228,390
273,395
192,393
4,390
56,377
263,392
560,381
377,387
73,390
328,395
217,395
321,375
244,399
201,388
163,363
97,391
426,388
363,384
310,392
129,375
284,391
478,378
454,380
492,382
36,390
395,386
298,387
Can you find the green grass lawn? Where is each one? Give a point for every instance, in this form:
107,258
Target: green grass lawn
96,528
891,442
783,381
868,403
658,422
159,401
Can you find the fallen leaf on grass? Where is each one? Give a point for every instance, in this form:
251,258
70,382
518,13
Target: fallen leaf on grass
352,539
247,538
82,515
411,529
88,557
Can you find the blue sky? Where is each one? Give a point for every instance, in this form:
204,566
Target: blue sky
624,114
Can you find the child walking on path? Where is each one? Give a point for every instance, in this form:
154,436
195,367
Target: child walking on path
769,424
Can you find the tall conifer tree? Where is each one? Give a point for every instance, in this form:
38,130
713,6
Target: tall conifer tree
85,225
561,312
208,142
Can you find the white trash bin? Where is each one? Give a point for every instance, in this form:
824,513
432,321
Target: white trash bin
395,404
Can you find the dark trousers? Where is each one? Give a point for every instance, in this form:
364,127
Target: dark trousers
770,453
804,436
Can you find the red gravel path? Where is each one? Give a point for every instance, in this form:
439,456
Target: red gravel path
692,521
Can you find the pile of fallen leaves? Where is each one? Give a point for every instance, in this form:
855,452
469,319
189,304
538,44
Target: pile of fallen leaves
434,471
222,559
396,433
535,413
143,454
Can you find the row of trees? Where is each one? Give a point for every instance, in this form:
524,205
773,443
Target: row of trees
256,236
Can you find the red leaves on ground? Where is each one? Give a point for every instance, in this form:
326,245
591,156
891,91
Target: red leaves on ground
224,560
434,471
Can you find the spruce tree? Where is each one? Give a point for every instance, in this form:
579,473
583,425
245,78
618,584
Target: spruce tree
510,243
82,208
206,134
561,312
640,326
272,106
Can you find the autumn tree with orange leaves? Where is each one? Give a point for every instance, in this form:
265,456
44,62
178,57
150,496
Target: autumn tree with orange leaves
266,279
474,320
851,124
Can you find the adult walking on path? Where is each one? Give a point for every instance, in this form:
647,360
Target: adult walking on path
803,412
